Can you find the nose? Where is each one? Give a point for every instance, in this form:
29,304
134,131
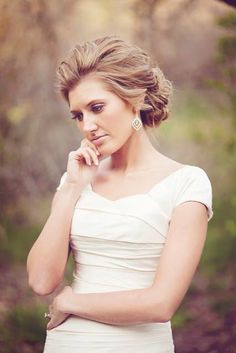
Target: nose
89,123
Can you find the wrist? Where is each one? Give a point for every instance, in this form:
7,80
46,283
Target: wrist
66,300
67,305
71,188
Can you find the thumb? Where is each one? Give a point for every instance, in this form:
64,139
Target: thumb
50,325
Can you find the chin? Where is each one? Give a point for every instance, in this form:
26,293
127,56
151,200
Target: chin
106,149
105,152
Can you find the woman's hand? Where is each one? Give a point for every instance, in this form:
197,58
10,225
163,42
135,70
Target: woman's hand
83,163
57,309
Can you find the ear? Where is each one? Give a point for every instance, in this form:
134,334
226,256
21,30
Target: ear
139,103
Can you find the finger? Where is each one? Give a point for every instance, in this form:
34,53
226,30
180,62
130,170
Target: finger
52,322
94,148
84,141
87,143
50,325
85,155
79,155
93,155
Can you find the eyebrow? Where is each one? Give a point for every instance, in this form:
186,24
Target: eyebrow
91,102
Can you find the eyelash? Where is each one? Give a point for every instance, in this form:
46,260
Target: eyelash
99,106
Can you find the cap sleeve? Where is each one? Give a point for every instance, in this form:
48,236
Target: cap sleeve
195,186
62,180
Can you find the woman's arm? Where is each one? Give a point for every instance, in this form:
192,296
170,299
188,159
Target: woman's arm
178,262
47,258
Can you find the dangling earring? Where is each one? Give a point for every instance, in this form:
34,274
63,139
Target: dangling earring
137,122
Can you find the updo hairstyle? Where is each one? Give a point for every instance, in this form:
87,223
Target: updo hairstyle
125,69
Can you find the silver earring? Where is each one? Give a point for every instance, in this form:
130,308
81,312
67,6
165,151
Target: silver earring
137,123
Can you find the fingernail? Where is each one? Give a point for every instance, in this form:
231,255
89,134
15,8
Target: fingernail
97,152
96,162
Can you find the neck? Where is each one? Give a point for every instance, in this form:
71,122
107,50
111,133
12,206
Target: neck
136,154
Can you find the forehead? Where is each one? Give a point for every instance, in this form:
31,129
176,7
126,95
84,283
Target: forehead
88,89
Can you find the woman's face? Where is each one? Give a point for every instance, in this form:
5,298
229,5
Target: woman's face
98,111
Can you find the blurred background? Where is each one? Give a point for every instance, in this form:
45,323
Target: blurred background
194,42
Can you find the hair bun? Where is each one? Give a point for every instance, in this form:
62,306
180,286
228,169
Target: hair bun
155,108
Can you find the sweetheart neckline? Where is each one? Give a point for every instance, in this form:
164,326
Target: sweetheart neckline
138,194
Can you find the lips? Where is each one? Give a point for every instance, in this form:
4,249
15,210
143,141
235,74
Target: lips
98,140
97,137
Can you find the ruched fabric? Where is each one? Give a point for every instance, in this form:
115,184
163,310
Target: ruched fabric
116,245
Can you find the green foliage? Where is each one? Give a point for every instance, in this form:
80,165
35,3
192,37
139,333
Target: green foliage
16,241
69,270
22,325
191,107
225,76
223,305
181,319
27,323
227,48
216,84
228,21
219,252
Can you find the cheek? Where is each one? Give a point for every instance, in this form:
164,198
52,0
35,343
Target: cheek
119,129
118,118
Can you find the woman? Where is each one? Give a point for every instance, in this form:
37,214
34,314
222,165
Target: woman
134,219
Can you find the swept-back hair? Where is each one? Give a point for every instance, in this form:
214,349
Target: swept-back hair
125,69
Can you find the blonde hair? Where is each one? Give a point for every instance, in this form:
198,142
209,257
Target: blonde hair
127,71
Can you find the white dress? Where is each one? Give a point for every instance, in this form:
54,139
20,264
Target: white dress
117,245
